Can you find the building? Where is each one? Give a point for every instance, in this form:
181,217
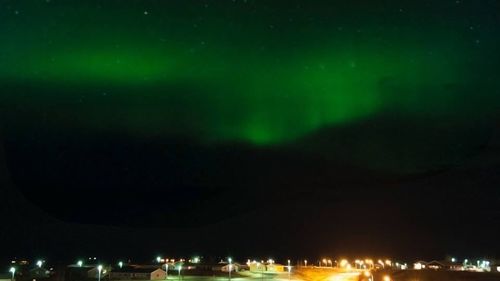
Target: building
77,273
235,267
419,265
436,265
135,273
39,273
275,268
267,268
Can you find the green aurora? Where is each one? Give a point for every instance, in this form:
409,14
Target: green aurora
216,75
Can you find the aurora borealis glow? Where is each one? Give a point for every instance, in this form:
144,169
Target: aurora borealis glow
255,72
259,128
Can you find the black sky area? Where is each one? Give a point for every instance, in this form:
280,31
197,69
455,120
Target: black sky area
417,178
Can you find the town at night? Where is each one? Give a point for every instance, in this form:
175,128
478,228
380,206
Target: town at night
250,140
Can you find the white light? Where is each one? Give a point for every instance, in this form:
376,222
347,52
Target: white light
99,267
12,269
80,263
39,263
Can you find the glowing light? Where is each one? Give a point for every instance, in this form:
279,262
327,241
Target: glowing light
387,278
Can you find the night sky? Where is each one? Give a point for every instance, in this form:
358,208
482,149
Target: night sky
249,127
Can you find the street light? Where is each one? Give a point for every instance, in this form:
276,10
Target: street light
166,269
289,270
13,271
230,260
158,259
99,269
39,263
305,263
179,269
261,270
80,263
120,264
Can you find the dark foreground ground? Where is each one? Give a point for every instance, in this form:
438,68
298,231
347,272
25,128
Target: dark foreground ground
431,275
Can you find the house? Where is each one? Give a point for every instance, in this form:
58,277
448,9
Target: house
39,273
275,268
267,268
77,273
419,265
235,267
136,273
435,265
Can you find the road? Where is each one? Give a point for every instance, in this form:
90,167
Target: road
326,274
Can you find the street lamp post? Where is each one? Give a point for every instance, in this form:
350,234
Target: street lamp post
166,270
230,260
262,272
99,269
289,270
13,271
180,267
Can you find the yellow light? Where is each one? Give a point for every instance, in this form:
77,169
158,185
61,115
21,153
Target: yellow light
387,278
367,274
343,263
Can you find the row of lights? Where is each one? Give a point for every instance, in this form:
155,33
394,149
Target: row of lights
358,263
12,270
